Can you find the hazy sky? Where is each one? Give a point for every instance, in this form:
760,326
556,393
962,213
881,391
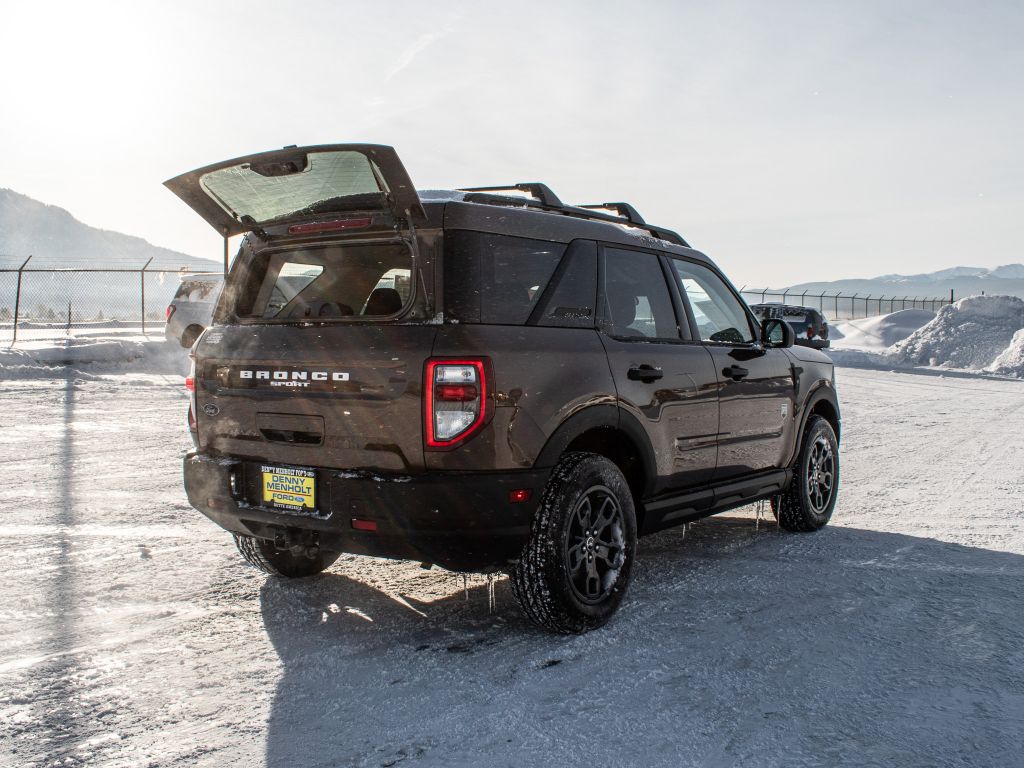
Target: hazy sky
790,141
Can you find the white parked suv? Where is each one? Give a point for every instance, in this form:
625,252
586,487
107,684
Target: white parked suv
191,309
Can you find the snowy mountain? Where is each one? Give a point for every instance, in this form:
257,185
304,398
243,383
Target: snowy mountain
55,238
963,281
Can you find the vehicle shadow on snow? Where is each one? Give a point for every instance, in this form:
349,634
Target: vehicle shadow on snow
735,638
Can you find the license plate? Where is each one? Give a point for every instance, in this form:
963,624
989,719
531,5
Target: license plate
290,488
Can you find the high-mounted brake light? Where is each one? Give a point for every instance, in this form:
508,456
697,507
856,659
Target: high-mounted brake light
455,401
329,226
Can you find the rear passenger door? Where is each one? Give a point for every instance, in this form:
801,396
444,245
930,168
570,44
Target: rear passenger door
756,384
665,379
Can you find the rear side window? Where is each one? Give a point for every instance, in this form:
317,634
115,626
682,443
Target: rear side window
570,300
496,279
327,282
637,303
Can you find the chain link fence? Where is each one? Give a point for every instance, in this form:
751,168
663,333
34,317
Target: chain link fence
48,303
843,306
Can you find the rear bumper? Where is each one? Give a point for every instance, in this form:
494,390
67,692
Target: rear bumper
462,521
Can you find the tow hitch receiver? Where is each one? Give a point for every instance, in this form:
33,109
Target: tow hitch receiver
298,542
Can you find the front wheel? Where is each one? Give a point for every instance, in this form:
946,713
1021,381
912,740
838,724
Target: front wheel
808,502
262,554
576,567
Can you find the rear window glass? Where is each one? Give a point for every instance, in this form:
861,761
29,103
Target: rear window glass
198,290
328,282
496,279
265,193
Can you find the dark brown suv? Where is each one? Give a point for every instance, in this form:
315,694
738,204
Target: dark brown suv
483,379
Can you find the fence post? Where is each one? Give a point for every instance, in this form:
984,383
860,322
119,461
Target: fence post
17,300
142,273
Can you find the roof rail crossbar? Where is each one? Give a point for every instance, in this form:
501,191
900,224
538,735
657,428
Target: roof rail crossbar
545,198
541,192
625,210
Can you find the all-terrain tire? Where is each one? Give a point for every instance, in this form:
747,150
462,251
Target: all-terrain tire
577,564
808,502
261,554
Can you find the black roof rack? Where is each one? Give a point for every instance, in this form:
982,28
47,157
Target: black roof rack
541,192
547,200
625,210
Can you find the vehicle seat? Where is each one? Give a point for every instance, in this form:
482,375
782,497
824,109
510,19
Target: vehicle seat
383,301
623,308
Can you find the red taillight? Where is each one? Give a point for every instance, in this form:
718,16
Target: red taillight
328,226
190,385
810,332
363,525
170,311
454,401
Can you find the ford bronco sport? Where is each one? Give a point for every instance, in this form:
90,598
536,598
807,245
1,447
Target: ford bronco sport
484,381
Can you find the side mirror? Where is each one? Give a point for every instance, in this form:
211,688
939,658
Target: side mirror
777,333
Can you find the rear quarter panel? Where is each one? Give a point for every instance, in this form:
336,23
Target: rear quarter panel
541,377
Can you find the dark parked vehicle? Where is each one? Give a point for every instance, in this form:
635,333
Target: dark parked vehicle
483,381
809,325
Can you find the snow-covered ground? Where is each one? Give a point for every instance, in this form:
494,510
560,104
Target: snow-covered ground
133,634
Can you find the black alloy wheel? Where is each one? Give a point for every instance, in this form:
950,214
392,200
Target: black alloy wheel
595,545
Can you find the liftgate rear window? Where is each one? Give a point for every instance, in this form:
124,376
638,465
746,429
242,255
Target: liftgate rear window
329,282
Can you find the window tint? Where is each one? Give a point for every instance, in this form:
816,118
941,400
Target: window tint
331,281
637,303
571,298
496,278
719,314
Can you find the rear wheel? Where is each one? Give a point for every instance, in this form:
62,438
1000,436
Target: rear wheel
576,567
808,502
262,554
190,334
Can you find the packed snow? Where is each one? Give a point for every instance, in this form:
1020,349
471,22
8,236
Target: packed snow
134,635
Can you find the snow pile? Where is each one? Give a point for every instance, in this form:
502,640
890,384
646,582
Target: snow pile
881,331
1011,360
972,333
43,359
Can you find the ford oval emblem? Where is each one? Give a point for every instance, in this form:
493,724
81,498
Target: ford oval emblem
210,409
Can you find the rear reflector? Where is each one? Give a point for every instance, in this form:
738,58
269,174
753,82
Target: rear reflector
328,226
364,525
456,393
519,495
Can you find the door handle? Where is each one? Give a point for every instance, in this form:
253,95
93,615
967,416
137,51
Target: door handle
735,372
646,373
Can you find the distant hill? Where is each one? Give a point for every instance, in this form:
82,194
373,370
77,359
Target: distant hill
963,281
55,238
